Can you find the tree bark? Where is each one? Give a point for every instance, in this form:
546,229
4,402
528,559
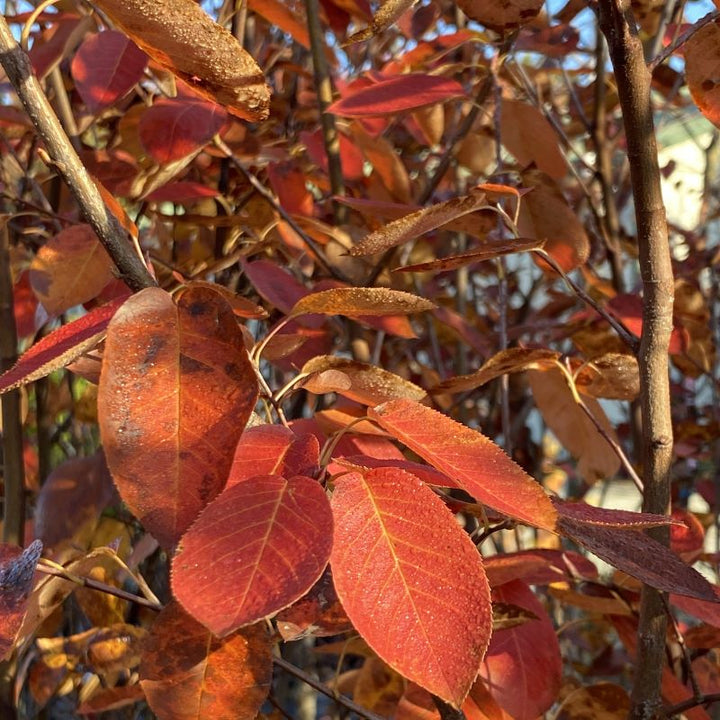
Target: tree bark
633,82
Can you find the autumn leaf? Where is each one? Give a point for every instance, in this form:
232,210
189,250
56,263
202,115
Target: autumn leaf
478,465
181,37
355,302
175,392
388,12
404,597
501,16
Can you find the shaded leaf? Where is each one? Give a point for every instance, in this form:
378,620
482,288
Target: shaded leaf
546,215
493,248
396,94
476,463
187,674
71,268
181,37
378,687
522,668
175,128
418,223
640,556
425,612
530,138
112,699
613,376
60,347
105,68
274,450
572,427
176,391
285,17
368,384
539,567
17,570
689,536
355,302
257,548
609,517
604,701
501,16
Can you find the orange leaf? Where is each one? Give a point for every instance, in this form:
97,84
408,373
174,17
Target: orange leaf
257,548
187,674
478,465
71,268
355,302
425,610
702,58
501,16
175,392
181,37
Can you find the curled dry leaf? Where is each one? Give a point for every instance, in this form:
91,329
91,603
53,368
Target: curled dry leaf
501,16
385,16
354,302
614,376
181,37
418,223
368,384
506,361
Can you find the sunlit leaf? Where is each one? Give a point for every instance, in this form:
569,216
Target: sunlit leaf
254,550
425,612
355,302
176,390
388,12
478,465
501,16
181,37
702,62
60,347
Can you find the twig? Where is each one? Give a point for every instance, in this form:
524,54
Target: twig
323,88
12,440
262,190
679,41
19,71
100,586
690,703
325,690
633,84
447,711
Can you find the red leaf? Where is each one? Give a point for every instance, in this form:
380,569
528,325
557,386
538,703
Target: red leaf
639,555
182,191
523,668
60,347
688,537
424,610
257,548
187,674
478,465
25,307
176,391
106,67
430,476
273,450
395,94
17,570
175,128
288,183
351,158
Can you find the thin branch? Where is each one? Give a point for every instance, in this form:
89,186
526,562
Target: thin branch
325,690
100,587
447,711
323,88
689,704
679,41
115,240
12,439
633,82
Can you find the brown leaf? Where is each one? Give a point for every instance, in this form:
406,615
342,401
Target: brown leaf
613,376
386,15
501,16
572,426
181,37
360,301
